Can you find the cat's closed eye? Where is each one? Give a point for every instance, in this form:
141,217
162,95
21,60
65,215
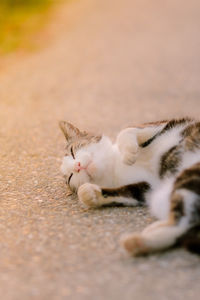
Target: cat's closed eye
72,152
68,182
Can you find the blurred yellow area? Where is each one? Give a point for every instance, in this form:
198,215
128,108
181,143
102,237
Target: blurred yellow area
19,20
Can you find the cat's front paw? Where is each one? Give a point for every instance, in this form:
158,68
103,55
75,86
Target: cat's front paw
130,154
128,145
134,244
90,194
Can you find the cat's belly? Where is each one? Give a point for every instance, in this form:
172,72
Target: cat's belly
133,174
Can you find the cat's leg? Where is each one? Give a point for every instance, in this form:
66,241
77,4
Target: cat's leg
92,195
184,214
130,140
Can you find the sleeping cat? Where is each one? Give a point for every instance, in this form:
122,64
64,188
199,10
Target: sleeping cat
157,164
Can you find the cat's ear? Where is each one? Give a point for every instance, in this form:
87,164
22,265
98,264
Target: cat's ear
69,130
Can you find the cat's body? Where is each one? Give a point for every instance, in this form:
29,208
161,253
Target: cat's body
157,164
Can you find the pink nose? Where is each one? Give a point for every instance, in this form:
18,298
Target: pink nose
77,167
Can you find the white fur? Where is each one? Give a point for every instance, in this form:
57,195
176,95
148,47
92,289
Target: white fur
158,199
162,236
189,199
189,159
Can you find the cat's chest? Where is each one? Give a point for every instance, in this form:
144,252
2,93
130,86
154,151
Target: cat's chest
124,174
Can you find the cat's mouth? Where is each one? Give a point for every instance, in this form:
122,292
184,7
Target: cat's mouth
88,169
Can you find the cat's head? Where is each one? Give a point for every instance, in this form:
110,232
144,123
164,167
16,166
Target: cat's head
87,157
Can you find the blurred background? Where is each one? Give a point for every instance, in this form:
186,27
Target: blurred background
102,65
19,20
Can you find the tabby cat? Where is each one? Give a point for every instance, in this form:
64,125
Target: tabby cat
156,164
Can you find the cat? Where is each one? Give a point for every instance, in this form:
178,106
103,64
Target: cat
155,164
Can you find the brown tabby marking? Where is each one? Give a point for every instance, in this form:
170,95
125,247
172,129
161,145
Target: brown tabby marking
136,191
76,138
170,161
177,208
80,142
148,124
191,240
173,123
189,179
191,137
169,125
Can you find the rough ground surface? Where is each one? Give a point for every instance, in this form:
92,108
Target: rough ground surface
111,63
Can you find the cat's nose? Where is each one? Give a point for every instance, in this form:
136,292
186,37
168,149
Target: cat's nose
77,167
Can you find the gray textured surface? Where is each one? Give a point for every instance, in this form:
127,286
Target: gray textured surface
110,63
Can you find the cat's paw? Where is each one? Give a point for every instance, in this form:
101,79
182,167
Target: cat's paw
134,244
90,194
130,155
128,145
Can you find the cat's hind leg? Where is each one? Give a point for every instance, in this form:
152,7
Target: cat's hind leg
158,237
92,195
184,214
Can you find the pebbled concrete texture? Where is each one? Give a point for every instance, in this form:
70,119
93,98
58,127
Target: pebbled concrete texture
106,65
